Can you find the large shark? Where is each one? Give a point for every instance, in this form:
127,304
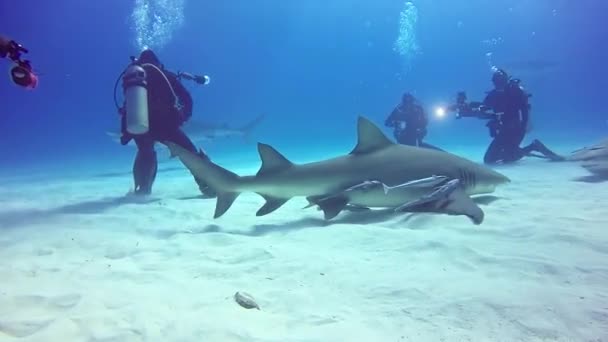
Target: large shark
376,173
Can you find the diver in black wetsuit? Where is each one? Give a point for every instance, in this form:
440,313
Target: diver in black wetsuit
169,105
409,122
508,122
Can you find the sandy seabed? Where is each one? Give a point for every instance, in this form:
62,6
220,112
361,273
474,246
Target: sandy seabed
80,262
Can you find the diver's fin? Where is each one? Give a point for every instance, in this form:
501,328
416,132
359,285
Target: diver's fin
369,137
332,206
272,204
224,202
272,160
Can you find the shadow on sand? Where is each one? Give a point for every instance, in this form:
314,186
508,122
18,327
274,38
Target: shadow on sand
591,179
10,219
359,217
129,173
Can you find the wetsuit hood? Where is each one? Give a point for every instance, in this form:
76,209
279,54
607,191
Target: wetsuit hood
149,57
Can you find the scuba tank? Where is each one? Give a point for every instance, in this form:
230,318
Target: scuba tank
136,100
516,82
135,93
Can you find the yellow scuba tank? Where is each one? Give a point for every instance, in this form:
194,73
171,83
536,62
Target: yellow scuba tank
136,100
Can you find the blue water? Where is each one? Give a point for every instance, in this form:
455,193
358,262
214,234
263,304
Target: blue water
311,67
79,260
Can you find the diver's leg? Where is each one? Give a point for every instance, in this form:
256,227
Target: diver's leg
180,138
407,138
145,165
494,151
513,138
537,146
512,152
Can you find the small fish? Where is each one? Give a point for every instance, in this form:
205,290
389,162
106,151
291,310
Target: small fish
424,182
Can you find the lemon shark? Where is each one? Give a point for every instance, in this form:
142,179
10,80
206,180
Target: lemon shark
376,173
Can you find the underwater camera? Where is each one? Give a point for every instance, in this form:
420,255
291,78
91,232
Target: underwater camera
474,109
22,73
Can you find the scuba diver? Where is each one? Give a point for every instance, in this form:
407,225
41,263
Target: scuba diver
21,74
156,105
508,111
409,122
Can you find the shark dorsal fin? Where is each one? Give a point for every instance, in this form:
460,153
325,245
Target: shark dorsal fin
369,137
272,160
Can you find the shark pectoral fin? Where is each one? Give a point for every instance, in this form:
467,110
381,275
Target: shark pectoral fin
312,201
272,160
332,206
459,203
309,205
224,202
448,199
272,204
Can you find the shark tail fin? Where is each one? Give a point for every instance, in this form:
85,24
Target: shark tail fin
249,127
223,182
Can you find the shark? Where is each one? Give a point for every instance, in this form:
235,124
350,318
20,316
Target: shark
596,151
377,173
211,131
199,131
539,66
593,158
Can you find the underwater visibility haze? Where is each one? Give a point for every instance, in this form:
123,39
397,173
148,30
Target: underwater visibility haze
423,216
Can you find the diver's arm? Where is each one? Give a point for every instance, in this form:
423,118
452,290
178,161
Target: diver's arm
390,120
489,101
183,94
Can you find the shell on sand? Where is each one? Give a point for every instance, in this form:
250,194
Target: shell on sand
246,300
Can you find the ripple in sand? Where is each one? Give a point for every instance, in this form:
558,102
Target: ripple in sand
252,255
35,305
44,251
23,328
66,301
115,253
